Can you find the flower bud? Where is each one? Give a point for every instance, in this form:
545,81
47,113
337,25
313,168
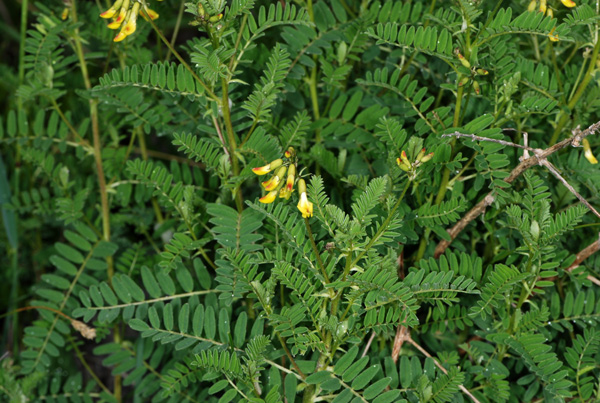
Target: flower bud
532,6
464,61
482,72
301,186
463,81
215,18
427,157
404,158
568,3
291,178
402,165
476,87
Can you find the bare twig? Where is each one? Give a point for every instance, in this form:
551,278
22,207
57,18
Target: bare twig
478,138
555,172
584,254
368,344
538,158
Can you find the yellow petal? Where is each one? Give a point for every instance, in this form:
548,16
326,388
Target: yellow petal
117,22
120,36
568,3
108,13
587,151
269,197
271,183
262,170
152,14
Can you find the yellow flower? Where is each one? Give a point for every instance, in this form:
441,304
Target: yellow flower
149,13
126,11
272,183
568,3
587,151
113,10
305,206
267,168
269,197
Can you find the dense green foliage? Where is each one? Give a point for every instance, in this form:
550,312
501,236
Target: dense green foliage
141,262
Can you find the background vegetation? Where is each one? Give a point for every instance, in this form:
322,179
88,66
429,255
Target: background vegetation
144,261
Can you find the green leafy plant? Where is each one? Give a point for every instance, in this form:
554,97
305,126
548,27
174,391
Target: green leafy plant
332,200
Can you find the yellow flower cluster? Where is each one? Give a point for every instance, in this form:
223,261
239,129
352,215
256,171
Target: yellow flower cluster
124,14
276,185
544,9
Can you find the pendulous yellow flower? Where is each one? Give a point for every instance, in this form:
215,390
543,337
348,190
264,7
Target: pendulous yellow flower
587,151
305,206
568,3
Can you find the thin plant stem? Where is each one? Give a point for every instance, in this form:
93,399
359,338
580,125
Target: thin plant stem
210,93
176,30
565,116
446,174
290,357
87,366
316,250
235,163
100,172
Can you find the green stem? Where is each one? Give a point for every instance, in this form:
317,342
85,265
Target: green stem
312,82
24,10
100,172
176,30
290,357
565,116
446,175
87,367
235,163
210,93
316,250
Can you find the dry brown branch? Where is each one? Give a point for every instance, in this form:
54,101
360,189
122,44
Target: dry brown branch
401,334
404,335
584,254
538,158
